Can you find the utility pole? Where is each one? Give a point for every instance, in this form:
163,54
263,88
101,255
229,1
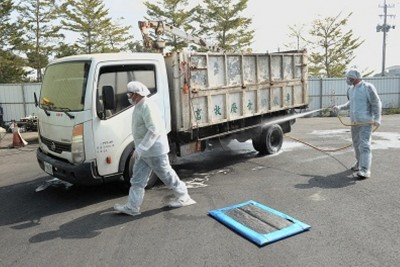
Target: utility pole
384,28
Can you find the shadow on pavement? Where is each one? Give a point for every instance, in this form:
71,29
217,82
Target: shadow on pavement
90,225
23,207
338,180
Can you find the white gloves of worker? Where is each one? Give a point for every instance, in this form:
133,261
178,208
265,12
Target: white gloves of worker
377,124
336,109
138,152
147,142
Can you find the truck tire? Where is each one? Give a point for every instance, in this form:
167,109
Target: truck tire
128,174
269,141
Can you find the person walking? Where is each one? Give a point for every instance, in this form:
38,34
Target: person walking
365,110
151,153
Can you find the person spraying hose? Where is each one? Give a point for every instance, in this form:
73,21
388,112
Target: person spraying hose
365,111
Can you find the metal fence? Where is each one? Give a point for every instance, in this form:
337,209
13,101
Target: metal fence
17,100
328,92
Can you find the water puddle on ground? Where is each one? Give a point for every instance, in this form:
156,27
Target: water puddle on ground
385,140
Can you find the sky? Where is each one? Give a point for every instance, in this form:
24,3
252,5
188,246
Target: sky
271,21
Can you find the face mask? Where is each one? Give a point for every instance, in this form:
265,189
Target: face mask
131,102
349,81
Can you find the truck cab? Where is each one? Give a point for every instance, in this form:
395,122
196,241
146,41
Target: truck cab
85,119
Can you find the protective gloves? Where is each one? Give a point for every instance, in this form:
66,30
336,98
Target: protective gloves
147,142
336,109
138,152
376,124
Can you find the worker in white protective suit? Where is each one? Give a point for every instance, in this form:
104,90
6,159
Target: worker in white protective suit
365,111
151,153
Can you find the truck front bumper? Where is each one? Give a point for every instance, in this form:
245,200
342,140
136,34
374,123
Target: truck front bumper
83,174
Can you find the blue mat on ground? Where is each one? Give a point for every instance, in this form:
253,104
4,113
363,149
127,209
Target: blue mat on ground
258,223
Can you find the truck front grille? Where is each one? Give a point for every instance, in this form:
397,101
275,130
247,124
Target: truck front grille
55,146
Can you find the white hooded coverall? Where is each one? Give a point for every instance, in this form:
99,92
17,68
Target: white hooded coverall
365,107
151,153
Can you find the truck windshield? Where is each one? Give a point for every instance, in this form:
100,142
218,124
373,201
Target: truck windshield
64,86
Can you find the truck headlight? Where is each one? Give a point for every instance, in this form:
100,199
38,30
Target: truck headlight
77,145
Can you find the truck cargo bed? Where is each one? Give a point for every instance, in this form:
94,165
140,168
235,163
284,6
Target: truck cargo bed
212,89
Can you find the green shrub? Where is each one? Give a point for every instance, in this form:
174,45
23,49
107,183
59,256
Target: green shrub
391,111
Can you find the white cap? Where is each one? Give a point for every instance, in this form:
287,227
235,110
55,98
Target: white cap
353,74
138,88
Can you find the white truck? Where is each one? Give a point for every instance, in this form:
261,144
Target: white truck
85,119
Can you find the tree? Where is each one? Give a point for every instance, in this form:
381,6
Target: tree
11,66
137,46
6,26
174,12
41,33
64,50
97,32
221,20
295,32
332,48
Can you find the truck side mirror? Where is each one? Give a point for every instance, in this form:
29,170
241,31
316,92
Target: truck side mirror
108,97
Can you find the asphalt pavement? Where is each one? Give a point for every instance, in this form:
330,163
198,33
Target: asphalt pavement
353,222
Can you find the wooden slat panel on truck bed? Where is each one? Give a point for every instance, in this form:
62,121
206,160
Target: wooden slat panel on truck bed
215,88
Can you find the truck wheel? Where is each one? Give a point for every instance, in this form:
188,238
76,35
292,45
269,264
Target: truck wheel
269,141
128,174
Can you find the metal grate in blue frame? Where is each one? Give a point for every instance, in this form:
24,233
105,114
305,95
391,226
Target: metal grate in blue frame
258,223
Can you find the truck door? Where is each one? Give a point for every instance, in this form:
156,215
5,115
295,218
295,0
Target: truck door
112,128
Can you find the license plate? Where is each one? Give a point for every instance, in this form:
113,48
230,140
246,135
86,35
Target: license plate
48,168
